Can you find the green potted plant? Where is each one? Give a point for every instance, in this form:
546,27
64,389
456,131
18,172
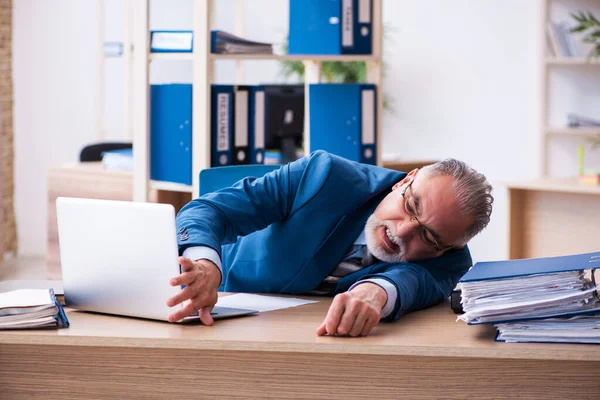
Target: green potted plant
589,25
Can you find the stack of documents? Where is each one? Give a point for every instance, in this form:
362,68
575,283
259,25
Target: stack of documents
580,329
537,295
31,308
226,43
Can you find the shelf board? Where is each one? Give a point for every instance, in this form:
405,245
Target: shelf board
565,185
172,56
241,57
171,187
572,61
574,132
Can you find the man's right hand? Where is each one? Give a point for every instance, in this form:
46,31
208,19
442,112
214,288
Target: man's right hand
202,279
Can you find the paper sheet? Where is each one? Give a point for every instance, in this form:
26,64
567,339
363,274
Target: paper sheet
25,298
261,303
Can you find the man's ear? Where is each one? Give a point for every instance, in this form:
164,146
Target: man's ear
406,179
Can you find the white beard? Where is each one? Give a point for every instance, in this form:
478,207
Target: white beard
377,249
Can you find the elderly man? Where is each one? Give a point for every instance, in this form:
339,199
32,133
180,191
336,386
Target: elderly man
383,242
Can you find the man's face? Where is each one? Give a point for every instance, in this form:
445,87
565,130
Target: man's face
419,219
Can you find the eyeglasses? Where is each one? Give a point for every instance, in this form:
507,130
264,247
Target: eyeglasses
426,234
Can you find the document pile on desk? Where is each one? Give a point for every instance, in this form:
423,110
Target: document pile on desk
31,308
551,299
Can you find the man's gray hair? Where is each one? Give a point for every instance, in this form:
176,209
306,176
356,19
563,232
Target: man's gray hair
472,191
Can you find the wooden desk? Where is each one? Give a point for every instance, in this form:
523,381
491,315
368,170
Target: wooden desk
552,217
277,355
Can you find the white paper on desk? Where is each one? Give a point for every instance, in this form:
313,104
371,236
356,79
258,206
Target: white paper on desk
261,303
25,298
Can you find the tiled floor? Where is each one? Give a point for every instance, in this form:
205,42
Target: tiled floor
23,268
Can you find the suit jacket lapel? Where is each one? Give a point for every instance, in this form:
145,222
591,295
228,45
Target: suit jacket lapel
333,249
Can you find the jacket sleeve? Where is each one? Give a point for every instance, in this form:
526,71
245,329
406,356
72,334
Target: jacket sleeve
422,284
250,205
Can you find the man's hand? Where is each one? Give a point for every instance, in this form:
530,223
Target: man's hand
356,312
202,279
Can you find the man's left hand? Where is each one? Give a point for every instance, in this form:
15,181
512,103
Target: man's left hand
356,312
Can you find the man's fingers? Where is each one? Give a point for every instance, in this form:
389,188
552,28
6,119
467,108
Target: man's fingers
347,321
335,314
205,316
184,279
186,263
322,330
183,295
369,325
186,311
359,323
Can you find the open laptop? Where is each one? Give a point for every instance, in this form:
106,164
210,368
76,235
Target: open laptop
118,258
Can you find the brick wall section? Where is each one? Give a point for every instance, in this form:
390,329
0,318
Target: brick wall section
6,119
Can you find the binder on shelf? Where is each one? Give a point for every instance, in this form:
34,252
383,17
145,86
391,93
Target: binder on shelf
256,139
330,27
241,128
171,133
225,43
343,120
171,41
222,125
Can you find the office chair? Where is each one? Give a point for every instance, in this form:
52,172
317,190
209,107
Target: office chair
93,152
213,179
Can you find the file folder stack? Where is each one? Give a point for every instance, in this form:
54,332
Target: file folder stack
551,299
31,308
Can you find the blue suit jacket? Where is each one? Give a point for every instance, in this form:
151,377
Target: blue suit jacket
286,231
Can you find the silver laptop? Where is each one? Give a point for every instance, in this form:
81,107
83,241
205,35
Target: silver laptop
118,257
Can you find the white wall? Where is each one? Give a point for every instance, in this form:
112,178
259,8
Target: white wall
463,75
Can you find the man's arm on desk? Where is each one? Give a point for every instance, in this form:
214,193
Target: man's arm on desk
418,285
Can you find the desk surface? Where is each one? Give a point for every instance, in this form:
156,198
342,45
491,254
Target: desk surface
431,332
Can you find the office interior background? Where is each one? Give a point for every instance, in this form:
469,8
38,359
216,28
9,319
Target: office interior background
466,79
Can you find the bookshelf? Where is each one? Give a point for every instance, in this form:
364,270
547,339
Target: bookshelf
549,65
203,61
556,215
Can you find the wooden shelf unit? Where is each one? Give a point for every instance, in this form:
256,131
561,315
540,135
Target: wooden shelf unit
203,61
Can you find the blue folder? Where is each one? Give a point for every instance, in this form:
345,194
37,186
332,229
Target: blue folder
330,27
482,271
171,133
343,120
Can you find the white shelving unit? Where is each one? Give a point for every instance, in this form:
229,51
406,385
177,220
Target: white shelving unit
549,63
202,78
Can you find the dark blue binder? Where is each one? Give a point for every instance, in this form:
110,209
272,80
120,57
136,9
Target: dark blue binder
171,133
222,125
343,120
330,27
530,266
256,130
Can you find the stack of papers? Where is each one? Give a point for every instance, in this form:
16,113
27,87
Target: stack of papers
535,296
226,43
31,308
581,329
552,299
